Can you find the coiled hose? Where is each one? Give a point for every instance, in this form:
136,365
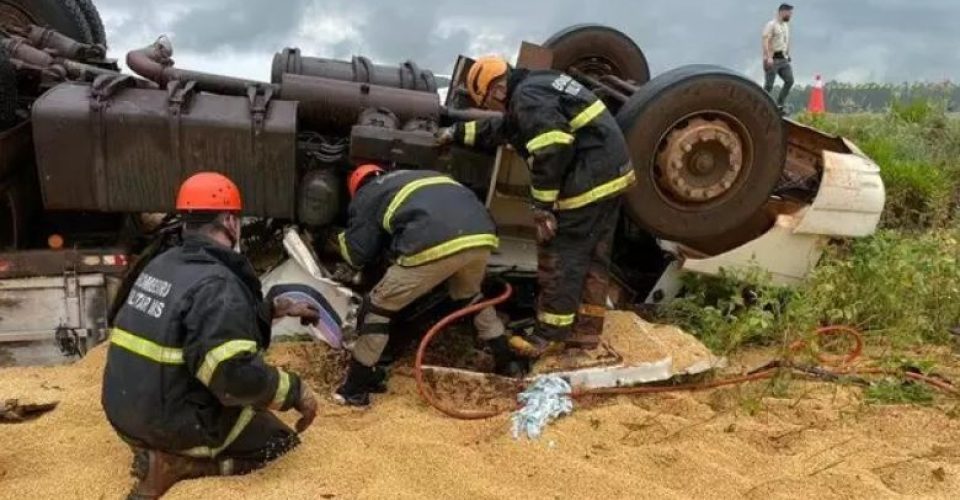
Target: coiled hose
831,365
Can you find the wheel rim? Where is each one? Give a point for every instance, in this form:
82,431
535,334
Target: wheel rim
701,160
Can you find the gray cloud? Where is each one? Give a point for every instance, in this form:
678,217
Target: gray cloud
878,40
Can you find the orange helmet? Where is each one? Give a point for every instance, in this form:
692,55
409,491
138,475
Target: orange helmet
209,192
482,74
359,175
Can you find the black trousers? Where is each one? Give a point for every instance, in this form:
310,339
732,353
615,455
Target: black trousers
574,273
262,441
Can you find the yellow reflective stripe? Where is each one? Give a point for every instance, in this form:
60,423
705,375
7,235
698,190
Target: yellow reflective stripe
587,115
470,133
207,452
342,238
598,193
146,348
549,139
283,387
407,190
556,319
548,195
449,248
220,354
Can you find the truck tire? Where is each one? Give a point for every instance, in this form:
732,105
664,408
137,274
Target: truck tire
92,15
8,92
64,16
708,146
598,50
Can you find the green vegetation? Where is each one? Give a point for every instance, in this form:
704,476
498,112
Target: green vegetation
878,98
895,392
900,286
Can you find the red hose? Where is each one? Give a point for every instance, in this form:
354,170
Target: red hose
425,392
827,360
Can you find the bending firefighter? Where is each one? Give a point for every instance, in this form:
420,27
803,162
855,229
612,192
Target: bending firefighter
579,166
435,230
186,385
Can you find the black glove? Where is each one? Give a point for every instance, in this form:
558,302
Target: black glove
546,224
343,273
444,136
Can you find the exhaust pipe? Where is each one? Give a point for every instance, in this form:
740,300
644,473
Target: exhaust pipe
359,69
154,62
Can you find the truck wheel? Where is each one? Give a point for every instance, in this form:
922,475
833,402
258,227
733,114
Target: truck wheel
64,16
708,147
8,93
598,50
92,16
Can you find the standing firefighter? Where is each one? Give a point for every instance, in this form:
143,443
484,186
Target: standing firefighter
186,384
435,230
579,166
776,53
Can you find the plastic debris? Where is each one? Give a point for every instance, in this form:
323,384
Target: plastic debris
547,399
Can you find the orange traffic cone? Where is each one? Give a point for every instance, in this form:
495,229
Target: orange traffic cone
816,104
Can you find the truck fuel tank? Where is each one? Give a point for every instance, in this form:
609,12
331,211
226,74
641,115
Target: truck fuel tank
111,147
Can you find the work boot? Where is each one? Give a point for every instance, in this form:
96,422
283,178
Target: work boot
505,362
157,472
356,388
533,346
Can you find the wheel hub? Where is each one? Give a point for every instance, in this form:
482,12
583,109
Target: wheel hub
700,160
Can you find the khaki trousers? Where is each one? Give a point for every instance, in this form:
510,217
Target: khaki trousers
463,273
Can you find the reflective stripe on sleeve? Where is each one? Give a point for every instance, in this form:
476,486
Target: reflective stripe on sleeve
283,389
146,348
469,133
586,116
547,139
220,354
544,195
344,252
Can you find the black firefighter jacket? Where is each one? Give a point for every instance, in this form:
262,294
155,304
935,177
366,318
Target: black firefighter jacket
575,150
185,369
419,216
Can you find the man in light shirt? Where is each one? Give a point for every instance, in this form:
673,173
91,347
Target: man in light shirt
776,53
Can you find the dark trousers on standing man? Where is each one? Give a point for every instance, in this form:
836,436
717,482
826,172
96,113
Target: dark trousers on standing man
781,67
574,274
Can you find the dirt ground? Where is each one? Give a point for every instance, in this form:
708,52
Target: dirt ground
817,441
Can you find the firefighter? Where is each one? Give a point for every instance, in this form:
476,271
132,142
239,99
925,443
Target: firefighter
579,166
185,384
434,230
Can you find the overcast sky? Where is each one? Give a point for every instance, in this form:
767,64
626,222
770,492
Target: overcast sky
849,40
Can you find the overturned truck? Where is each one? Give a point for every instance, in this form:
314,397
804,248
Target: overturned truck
87,150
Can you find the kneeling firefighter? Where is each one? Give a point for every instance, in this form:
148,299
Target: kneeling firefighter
185,384
435,231
579,166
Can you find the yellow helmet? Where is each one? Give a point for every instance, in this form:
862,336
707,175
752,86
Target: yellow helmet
482,74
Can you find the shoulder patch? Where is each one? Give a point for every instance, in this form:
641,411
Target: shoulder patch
566,83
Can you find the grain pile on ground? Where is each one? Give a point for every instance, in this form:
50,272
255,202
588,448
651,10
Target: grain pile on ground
629,340
818,442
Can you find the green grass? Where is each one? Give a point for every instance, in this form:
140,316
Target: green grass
897,392
900,286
